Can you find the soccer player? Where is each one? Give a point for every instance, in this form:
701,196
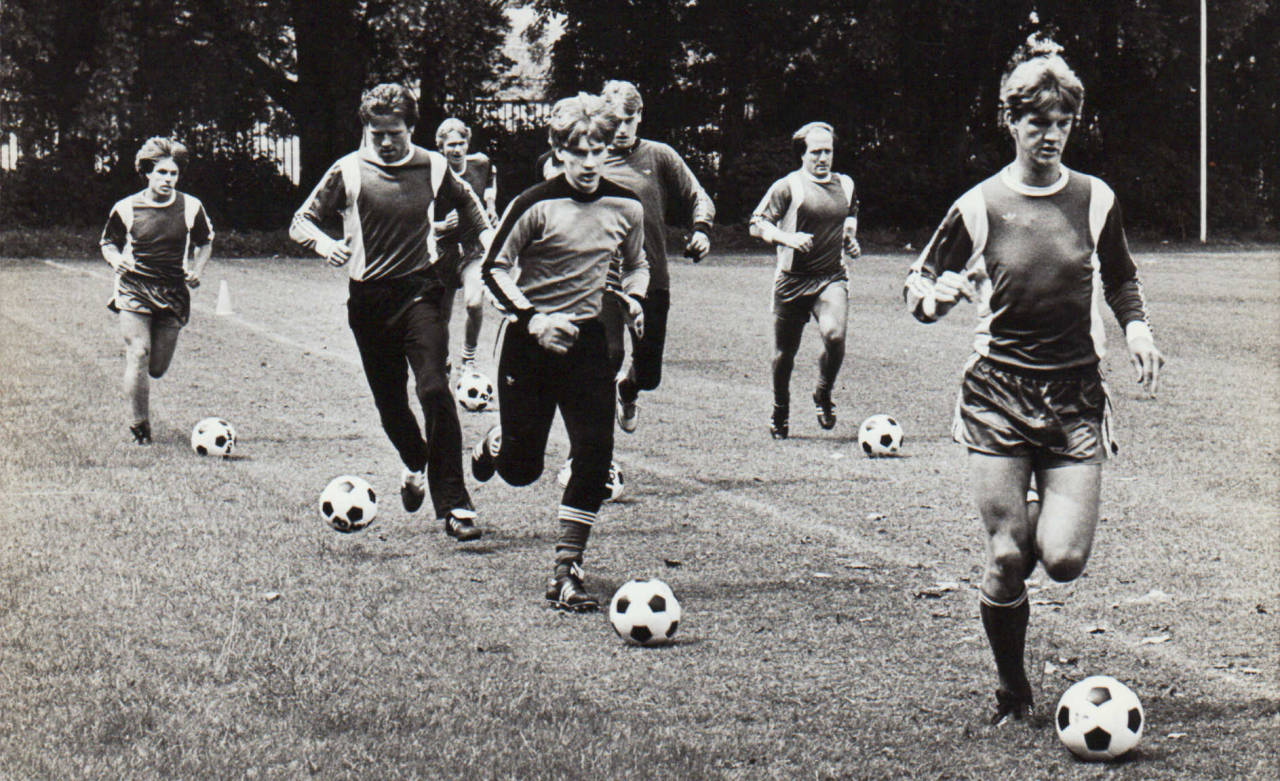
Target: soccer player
399,302
656,173
811,216
1038,247
453,139
158,241
563,234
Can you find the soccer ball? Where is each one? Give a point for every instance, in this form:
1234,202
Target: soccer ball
213,437
880,435
645,612
474,391
1099,718
348,503
617,485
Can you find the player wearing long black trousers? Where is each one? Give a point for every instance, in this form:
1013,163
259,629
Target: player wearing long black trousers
400,295
563,235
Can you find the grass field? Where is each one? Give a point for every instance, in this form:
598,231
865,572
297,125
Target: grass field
168,616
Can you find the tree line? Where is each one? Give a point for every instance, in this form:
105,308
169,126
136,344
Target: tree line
910,87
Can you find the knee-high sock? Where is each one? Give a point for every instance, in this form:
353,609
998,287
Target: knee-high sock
575,528
1006,627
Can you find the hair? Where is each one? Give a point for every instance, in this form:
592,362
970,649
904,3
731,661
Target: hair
800,138
156,149
452,125
623,96
581,116
389,99
1037,78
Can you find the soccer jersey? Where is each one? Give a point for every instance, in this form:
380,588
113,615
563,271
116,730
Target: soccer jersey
480,173
158,235
798,202
386,211
563,240
666,186
1045,259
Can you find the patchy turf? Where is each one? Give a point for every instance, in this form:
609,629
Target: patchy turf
165,615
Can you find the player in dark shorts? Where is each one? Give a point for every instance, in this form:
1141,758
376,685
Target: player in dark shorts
563,234
811,216
1038,247
666,186
148,239
400,301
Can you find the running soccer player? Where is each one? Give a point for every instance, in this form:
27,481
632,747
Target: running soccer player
453,139
399,301
656,173
158,242
1038,247
811,216
563,234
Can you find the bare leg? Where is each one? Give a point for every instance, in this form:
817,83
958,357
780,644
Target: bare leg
1069,498
136,330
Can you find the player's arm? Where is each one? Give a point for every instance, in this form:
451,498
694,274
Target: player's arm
473,223
115,237
851,247
700,209
202,241
491,194
1123,293
327,199
764,220
937,280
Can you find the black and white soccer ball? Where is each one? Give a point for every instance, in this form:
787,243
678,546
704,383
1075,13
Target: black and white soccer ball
645,612
213,437
1099,718
474,391
617,484
880,435
348,503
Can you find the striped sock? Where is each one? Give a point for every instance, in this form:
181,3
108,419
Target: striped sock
1006,627
468,354
575,528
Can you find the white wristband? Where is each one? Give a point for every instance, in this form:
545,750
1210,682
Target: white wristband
1138,329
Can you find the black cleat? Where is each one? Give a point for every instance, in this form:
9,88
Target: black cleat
778,422
565,591
483,459
412,489
1011,707
141,432
826,409
460,524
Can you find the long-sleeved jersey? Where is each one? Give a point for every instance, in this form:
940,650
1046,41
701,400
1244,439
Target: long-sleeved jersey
1044,258
667,188
158,235
386,211
562,240
798,202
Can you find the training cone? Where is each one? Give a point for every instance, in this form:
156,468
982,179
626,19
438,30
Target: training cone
224,300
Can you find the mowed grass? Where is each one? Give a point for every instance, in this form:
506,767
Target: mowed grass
164,615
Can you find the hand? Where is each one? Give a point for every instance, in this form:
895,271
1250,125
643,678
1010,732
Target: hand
798,241
449,222
697,247
555,332
192,278
851,247
124,262
339,254
1143,354
952,286
634,315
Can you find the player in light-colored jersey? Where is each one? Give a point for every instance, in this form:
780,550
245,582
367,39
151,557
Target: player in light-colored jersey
158,241
453,139
562,235
811,216
655,172
1039,248
400,300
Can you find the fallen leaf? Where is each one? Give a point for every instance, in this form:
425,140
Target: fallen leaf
1095,629
875,517
1153,597
271,596
857,565
823,575
1176,735
672,562
1155,639
1250,671
1050,668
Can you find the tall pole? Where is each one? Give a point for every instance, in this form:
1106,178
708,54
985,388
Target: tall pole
1204,122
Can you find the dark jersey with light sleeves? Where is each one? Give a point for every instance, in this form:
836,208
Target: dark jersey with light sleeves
562,241
667,190
479,175
158,236
798,202
1044,259
386,210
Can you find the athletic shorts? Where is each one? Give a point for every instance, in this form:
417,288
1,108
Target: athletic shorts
1052,416
167,303
795,295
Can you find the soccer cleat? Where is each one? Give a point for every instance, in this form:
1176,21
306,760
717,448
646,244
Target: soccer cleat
1011,707
826,409
778,425
412,489
460,524
141,432
628,415
483,462
565,591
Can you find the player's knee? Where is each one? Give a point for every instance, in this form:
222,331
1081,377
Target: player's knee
519,471
1008,559
434,389
138,352
475,306
1064,566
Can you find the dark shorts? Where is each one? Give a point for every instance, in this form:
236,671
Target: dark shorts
168,304
795,295
1054,417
